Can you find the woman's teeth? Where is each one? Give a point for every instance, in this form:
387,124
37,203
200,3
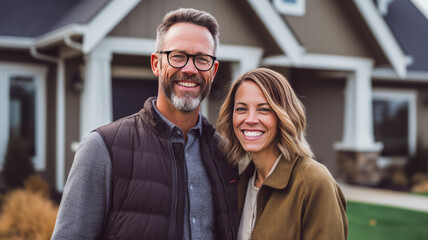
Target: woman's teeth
252,133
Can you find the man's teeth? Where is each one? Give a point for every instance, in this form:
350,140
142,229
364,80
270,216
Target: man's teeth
252,133
187,84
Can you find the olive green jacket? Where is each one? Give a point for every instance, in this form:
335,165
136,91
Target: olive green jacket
300,200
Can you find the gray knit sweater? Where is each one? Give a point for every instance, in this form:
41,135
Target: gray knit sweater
83,210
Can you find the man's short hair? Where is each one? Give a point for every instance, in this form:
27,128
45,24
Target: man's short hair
188,15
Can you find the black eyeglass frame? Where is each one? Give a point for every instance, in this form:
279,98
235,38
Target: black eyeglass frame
187,60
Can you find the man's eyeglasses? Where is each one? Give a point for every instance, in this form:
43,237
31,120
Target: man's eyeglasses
202,62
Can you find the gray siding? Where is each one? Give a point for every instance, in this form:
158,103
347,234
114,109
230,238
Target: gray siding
238,25
324,102
72,103
334,27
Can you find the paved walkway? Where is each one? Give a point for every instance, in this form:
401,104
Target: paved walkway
385,197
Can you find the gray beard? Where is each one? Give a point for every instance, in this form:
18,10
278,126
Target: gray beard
185,103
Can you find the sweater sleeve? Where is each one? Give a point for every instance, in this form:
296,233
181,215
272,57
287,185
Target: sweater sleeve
85,201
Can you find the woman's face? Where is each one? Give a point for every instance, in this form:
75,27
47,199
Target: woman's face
254,121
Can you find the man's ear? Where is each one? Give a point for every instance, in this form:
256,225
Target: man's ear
154,59
215,68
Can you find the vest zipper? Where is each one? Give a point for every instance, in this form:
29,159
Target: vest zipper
174,192
224,189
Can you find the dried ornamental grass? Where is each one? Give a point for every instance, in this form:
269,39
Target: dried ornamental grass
27,216
36,184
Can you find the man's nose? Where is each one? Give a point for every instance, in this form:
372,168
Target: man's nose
190,68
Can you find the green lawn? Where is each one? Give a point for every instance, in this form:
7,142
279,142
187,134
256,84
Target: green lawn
376,222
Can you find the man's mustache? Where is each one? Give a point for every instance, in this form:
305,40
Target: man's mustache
193,78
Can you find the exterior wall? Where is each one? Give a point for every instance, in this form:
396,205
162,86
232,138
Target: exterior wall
219,91
324,102
234,17
51,127
72,103
331,27
422,111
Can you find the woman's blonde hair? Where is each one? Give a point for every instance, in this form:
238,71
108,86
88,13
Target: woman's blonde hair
290,139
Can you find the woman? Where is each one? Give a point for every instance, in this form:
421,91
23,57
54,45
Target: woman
283,192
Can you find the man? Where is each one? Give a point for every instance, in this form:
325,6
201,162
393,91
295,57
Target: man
158,174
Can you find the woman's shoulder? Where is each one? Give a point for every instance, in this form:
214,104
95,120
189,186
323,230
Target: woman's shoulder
313,172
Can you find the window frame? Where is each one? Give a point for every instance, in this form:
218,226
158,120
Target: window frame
295,9
411,97
39,73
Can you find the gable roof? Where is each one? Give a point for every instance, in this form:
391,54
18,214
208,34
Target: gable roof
410,28
29,24
20,18
383,35
295,52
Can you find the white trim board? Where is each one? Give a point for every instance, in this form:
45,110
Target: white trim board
275,25
105,21
389,74
384,36
321,61
132,72
59,34
295,53
16,42
422,5
289,8
39,73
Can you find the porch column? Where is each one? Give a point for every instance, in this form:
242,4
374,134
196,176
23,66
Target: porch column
96,99
357,153
60,128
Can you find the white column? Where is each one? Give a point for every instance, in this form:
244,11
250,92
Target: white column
358,122
96,99
4,113
60,129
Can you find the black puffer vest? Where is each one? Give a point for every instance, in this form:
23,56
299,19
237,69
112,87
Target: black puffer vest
149,184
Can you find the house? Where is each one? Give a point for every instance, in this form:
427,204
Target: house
82,64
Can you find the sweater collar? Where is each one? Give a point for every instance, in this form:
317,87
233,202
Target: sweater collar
162,126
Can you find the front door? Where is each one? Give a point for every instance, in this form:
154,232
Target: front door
129,95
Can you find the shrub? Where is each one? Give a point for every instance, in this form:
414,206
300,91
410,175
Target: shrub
27,214
395,178
17,163
419,162
36,184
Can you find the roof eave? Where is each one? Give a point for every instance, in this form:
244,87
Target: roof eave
91,33
283,36
58,35
16,42
383,36
105,21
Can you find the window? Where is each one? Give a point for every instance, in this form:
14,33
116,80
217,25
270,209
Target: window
394,121
22,107
290,7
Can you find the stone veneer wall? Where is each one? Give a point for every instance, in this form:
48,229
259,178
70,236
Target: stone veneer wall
358,167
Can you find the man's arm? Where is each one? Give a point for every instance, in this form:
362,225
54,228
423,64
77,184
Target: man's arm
85,200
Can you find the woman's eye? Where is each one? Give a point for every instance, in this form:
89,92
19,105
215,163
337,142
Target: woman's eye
239,109
265,110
